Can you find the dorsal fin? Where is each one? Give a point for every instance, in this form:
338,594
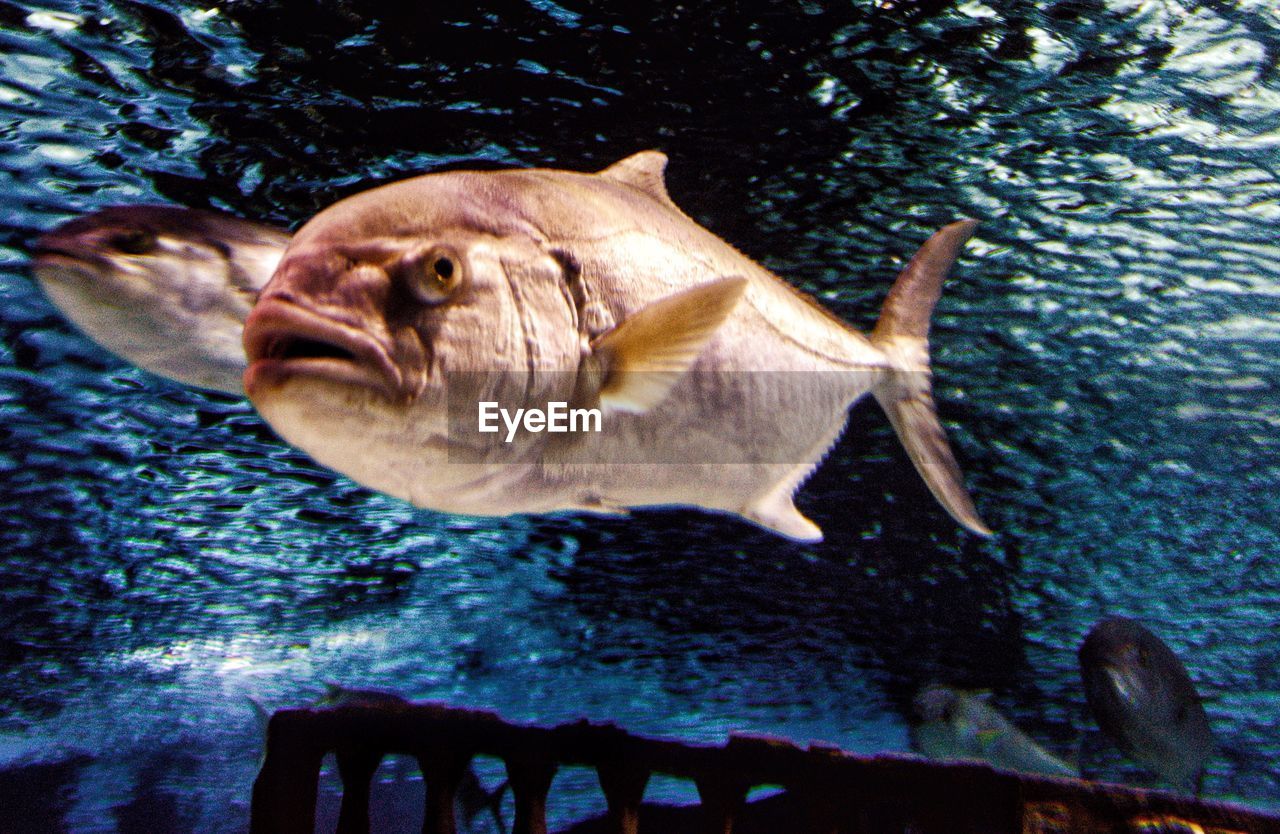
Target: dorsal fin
642,171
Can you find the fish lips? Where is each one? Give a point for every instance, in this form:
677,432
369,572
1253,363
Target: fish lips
1127,685
283,340
57,255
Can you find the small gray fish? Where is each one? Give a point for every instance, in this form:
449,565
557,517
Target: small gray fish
956,725
165,288
1144,701
398,312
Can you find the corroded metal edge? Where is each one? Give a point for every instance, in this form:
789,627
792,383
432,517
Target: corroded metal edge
829,790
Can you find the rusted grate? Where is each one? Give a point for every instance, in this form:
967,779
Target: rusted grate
826,791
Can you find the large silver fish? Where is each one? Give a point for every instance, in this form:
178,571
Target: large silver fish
165,288
396,314
956,725
1144,700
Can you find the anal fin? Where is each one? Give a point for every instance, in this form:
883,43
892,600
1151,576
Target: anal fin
777,512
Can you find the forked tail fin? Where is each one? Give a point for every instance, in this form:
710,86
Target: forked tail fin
906,392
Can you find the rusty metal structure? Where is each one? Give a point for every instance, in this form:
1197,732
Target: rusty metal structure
824,790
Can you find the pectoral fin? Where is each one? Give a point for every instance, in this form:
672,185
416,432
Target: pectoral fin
638,362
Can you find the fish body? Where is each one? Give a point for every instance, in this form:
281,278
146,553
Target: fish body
956,725
1144,701
397,311
165,288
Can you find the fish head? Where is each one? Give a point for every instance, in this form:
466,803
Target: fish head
1127,668
388,321
1129,671
126,256
166,288
936,703
955,722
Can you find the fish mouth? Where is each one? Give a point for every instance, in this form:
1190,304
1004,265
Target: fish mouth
1126,684
54,252
283,340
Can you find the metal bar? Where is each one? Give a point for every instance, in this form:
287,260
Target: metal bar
721,800
530,783
829,790
623,785
284,794
442,772
356,767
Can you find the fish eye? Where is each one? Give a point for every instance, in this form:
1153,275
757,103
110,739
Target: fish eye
133,241
431,275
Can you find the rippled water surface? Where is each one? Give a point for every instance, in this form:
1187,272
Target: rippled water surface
1106,358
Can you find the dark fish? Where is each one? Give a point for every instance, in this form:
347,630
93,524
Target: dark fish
1143,699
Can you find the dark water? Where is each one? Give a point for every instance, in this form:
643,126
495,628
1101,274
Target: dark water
1106,358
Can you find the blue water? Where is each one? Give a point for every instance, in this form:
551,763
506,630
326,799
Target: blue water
1106,358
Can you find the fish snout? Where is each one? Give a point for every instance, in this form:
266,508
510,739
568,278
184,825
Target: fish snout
50,243
935,703
97,237
283,339
63,263
331,278
1127,685
58,247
